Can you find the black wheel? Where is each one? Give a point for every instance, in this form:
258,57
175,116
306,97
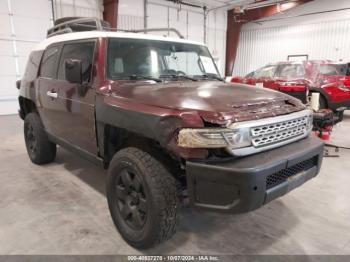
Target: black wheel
40,149
142,198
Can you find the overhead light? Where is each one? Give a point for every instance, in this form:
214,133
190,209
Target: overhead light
287,6
238,10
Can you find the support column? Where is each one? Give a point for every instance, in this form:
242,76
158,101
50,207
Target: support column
110,12
232,40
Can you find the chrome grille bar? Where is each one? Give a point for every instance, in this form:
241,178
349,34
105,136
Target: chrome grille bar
275,127
269,133
279,136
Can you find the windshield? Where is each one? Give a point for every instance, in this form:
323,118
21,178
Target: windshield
151,58
334,69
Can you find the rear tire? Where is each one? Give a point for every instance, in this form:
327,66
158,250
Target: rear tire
142,198
40,149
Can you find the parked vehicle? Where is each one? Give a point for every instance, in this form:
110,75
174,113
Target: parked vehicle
156,113
330,79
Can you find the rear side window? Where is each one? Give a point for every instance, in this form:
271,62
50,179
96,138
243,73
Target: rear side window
49,62
335,69
81,51
32,67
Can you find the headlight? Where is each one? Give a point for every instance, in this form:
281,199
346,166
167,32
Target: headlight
310,122
213,138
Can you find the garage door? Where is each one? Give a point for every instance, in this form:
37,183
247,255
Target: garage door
23,25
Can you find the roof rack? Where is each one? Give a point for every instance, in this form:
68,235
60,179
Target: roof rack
158,30
78,24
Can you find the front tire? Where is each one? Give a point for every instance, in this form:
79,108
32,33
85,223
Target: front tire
142,198
40,149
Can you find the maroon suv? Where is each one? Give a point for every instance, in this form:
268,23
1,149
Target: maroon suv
155,112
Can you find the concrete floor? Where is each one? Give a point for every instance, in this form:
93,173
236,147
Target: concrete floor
61,208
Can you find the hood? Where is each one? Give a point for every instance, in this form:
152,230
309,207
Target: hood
216,102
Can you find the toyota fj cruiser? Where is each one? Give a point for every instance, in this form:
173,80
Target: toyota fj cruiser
156,113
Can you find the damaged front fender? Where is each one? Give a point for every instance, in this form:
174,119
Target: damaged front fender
158,124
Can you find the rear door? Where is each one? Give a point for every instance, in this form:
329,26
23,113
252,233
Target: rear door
76,111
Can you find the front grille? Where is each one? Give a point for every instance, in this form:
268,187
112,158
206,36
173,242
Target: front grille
268,133
280,131
283,175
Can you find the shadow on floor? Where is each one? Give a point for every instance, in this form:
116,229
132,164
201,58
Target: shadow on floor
248,233
89,173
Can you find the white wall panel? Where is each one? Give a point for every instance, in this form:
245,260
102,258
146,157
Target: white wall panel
25,8
321,36
6,48
130,14
189,21
129,22
157,16
7,88
216,37
5,28
23,24
178,20
196,27
31,28
87,8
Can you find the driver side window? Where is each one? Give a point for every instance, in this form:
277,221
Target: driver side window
82,51
267,71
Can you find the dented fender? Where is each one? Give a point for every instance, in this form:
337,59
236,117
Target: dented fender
158,124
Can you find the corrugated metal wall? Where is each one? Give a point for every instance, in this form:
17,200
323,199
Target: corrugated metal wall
325,40
189,21
22,25
90,8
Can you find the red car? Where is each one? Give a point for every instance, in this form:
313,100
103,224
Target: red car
330,79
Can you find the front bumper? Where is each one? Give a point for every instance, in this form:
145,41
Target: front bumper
247,183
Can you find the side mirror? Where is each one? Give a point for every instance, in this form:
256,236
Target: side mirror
73,71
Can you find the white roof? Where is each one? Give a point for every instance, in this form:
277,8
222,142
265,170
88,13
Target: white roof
95,34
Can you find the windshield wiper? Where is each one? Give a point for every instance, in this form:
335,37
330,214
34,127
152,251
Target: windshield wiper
180,76
213,76
137,77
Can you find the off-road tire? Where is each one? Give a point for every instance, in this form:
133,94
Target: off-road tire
159,190
41,151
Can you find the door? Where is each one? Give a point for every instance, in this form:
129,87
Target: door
48,88
75,122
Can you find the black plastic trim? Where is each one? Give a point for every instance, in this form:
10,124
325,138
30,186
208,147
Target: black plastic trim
77,150
239,185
